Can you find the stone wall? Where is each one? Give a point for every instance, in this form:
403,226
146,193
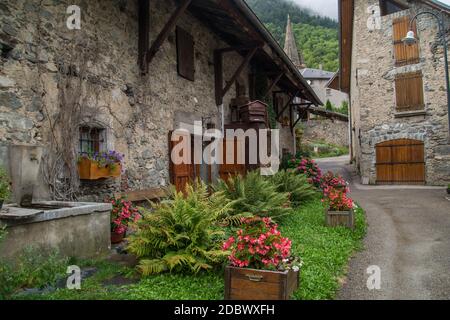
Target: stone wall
373,98
137,111
332,131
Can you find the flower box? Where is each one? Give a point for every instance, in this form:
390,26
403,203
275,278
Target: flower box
253,284
340,218
90,170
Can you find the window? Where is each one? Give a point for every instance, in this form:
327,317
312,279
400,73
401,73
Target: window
409,92
185,54
328,92
404,54
391,6
92,139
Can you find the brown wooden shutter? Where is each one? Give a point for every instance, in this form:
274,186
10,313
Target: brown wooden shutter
409,91
404,54
185,54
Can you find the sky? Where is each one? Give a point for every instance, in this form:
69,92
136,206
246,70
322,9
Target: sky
329,7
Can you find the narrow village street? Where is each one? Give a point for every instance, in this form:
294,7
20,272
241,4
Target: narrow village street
408,237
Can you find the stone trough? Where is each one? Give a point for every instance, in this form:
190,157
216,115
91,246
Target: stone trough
73,229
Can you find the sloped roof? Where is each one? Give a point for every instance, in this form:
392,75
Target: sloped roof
309,73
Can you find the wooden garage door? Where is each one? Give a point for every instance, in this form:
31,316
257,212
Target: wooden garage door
401,162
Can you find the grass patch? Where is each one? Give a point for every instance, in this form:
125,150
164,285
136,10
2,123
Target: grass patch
325,252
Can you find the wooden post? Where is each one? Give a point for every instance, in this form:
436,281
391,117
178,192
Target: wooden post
274,83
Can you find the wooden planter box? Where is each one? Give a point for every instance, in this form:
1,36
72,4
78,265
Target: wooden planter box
89,170
340,218
252,284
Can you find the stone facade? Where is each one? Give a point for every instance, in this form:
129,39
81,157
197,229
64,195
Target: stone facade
373,99
138,112
332,131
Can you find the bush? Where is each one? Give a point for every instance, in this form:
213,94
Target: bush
180,234
254,195
296,185
5,190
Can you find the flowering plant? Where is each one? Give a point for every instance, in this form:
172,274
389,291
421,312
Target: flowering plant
330,180
105,159
259,245
122,214
312,171
337,200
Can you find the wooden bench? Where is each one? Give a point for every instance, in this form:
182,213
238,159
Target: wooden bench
143,195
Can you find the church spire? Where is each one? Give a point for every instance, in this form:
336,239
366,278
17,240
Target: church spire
290,47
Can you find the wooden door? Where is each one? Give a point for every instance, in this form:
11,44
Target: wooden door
180,174
400,161
232,167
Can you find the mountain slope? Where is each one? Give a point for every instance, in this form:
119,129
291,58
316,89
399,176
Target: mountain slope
316,36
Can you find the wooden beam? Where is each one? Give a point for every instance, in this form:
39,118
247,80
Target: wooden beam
246,47
168,28
144,33
274,83
291,120
243,23
287,105
298,120
239,70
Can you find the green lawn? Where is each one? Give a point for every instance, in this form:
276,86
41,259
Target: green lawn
325,252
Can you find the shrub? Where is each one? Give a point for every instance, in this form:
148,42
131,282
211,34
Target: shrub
259,245
334,181
180,234
5,190
296,185
122,214
255,195
312,171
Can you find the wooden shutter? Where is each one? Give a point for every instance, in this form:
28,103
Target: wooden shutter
404,54
185,54
228,169
409,91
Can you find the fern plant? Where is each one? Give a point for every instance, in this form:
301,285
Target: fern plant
296,185
180,234
254,195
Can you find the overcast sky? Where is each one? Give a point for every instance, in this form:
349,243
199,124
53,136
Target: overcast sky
329,7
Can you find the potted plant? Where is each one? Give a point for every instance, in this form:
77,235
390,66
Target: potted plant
100,165
339,208
122,214
5,190
260,263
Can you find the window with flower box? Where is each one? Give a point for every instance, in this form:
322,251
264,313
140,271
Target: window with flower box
92,140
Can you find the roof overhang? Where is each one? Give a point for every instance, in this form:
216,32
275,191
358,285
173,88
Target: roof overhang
237,25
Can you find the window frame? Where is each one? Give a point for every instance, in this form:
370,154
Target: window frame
95,144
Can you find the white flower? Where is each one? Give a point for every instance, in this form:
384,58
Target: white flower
296,269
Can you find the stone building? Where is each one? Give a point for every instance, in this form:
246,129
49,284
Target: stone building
126,76
319,125
399,115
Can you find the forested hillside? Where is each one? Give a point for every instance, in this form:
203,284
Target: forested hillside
317,37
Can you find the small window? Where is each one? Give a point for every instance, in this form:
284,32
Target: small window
409,92
185,54
328,92
92,140
390,7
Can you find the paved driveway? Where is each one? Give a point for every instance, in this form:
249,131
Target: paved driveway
408,238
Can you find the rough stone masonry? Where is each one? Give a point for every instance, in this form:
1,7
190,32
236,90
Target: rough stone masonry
373,92
137,112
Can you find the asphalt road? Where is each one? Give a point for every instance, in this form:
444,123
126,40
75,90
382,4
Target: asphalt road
408,238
